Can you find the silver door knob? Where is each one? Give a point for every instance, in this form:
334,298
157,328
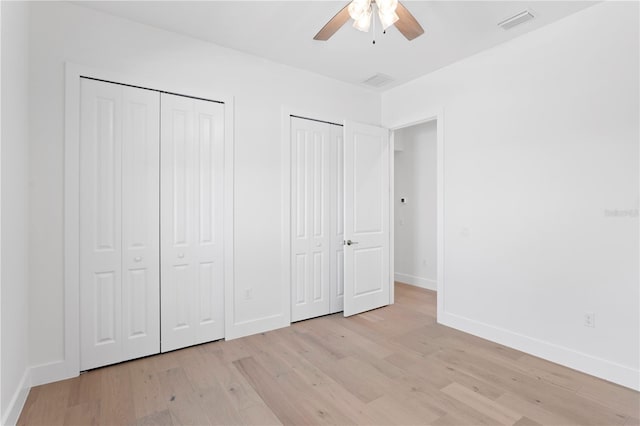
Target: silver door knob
350,243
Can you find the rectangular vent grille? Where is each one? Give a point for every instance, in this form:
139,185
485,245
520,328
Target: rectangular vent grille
518,19
378,80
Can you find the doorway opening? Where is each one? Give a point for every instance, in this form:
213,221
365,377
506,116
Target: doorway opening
415,202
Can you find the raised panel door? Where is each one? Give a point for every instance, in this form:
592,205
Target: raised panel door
366,218
337,222
312,148
191,221
209,274
100,224
119,210
140,222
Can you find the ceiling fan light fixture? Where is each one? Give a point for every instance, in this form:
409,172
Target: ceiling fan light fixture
357,8
387,19
363,23
390,12
387,7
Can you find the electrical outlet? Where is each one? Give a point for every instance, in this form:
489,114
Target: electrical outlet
248,294
590,319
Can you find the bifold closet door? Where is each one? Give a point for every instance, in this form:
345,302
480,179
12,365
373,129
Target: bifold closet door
119,220
337,219
191,231
316,241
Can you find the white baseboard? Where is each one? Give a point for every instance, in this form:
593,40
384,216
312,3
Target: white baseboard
416,281
51,372
607,370
17,401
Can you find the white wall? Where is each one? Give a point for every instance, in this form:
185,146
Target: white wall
14,190
540,146
415,221
66,32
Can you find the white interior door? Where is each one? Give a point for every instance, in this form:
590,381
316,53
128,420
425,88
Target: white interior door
192,159
312,151
140,223
337,219
119,250
366,218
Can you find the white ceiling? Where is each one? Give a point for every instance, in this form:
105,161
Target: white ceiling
282,31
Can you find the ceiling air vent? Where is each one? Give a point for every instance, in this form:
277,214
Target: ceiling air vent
517,19
378,80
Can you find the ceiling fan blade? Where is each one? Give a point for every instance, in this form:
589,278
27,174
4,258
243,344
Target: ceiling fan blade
333,25
407,24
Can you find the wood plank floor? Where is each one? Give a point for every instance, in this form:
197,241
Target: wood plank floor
394,365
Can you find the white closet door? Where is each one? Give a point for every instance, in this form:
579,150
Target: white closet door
191,221
119,285
337,220
311,201
141,223
367,206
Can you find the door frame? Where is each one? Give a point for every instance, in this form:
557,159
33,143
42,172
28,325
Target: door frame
436,115
69,366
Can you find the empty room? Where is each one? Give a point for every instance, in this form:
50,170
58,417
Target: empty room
358,212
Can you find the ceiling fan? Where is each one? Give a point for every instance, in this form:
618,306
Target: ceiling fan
390,12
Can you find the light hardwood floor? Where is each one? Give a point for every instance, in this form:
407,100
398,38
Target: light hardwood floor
394,365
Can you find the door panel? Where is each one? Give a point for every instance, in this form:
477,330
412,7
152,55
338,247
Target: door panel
311,201
207,295
191,221
140,222
368,269
367,212
337,223
105,308
209,171
137,320
119,281
367,180
177,217
100,210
